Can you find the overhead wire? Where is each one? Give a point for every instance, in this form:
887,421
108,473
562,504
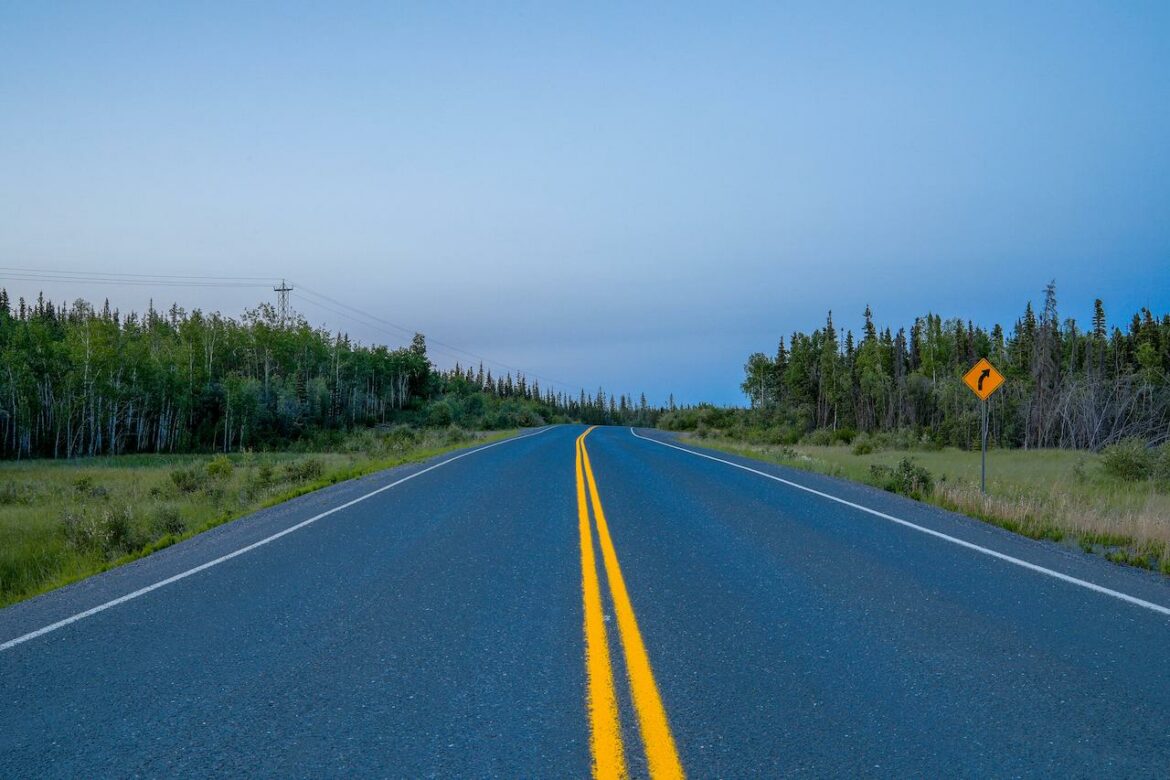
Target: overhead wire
308,295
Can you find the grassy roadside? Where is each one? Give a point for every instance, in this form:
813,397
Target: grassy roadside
1060,495
61,521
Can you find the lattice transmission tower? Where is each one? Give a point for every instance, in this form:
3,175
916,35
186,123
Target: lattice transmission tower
282,307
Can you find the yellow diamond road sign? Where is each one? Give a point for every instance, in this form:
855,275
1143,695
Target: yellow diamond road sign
983,379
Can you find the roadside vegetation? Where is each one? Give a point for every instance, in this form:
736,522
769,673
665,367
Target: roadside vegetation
82,381
1115,503
1079,433
123,433
62,520
1067,386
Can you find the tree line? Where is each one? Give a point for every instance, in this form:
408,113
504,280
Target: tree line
1067,385
80,381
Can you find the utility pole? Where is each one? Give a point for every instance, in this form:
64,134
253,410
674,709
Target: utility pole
282,309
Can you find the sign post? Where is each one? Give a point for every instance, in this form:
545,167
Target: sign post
983,380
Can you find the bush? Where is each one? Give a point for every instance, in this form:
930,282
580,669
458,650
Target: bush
821,437
456,435
12,493
399,437
187,480
439,415
844,435
304,470
84,486
167,520
110,531
907,478
220,467
863,445
1162,463
1129,459
265,474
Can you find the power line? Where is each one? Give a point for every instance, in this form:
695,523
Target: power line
132,275
404,329
253,282
131,282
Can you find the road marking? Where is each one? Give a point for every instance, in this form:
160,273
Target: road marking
938,534
183,575
661,753
605,739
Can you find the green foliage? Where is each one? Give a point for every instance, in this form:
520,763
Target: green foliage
1065,387
168,520
79,382
1162,464
1130,459
907,478
53,532
304,470
106,530
85,487
16,493
187,480
220,467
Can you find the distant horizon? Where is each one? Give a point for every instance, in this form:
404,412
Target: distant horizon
636,197
445,359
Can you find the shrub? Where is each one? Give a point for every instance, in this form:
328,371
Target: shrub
304,470
265,474
186,480
110,531
167,520
12,493
119,530
1162,463
399,437
84,486
456,435
81,531
863,445
820,437
844,435
907,478
1129,459
220,467
439,415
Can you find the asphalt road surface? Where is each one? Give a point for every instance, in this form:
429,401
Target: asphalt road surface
546,608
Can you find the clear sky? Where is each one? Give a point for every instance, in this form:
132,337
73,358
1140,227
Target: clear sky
632,196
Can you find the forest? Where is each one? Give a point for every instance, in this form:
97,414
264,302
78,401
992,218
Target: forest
80,381
1067,386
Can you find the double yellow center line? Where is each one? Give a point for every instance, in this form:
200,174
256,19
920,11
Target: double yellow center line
604,718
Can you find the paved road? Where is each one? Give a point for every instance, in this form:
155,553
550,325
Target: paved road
538,610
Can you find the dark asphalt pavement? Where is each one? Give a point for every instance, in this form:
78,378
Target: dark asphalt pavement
435,630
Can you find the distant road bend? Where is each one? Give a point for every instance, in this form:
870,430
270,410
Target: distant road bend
605,602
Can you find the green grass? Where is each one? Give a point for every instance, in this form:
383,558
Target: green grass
1060,495
61,521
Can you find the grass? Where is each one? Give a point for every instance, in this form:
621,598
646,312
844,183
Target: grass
61,521
1060,495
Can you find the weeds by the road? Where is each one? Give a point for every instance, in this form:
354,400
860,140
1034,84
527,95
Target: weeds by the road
64,520
1074,497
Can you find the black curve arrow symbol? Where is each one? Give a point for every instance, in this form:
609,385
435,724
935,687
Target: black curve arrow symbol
986,373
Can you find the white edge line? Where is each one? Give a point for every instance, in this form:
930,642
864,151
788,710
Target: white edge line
201,567
938,534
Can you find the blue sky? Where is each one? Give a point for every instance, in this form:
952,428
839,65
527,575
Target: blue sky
636,197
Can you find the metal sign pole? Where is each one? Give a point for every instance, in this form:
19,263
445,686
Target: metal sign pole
983,476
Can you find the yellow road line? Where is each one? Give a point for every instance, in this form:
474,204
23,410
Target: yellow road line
661,753
605,740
